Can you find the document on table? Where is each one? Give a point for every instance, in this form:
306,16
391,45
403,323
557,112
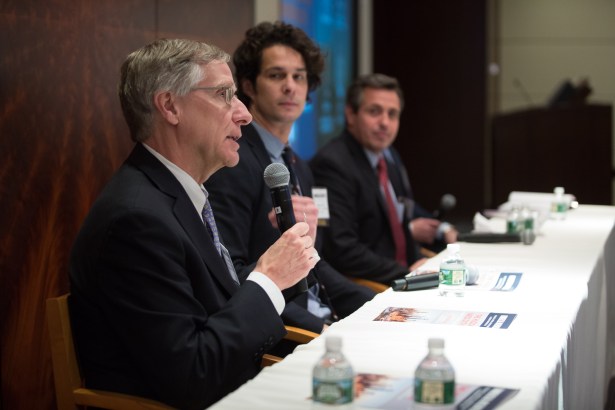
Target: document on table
496,281
447,317
397,393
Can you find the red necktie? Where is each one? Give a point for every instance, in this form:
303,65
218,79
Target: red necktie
396,229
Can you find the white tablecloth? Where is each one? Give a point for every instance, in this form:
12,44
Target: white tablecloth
559,351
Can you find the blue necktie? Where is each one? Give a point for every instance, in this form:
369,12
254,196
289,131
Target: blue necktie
289,159
210,223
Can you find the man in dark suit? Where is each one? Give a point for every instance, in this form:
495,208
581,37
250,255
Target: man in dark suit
374,227
275,66
156,307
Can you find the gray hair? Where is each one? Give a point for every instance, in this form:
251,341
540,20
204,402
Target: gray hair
354,95
175,66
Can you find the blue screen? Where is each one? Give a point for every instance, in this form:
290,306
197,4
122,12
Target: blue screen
330,24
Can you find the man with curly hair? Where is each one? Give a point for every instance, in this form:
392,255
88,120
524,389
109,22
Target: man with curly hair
276,66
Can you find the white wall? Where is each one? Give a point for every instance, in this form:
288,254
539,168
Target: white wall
540,43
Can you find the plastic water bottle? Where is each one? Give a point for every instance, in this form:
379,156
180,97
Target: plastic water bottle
526,218
527,233
559,204
513,219
453,272
434,378
333,377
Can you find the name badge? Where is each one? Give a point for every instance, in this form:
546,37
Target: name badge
319,195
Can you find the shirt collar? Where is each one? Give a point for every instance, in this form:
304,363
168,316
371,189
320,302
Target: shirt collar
373,158
273,145
196,192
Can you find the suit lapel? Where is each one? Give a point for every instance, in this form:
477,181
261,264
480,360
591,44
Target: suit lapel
262,156
401,174
256,145
186,215
368,174
304,176
395,178
194,226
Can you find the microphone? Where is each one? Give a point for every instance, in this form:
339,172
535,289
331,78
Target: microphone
276,177
430,280
447,203
417,282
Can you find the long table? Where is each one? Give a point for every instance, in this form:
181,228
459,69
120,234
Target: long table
559,351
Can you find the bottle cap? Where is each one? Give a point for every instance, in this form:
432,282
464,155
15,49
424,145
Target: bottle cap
453,247
435,343
333,343
559,190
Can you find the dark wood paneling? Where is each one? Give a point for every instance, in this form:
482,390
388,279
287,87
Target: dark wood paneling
437,50
538,149
61,137
219,22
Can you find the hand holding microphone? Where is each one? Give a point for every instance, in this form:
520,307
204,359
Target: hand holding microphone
305,210
424,230
289,260
276,177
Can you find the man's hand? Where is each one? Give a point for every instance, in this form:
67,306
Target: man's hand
424,230
290,258
450,236
305,211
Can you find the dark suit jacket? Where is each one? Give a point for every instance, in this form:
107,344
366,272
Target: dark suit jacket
241,201
154,310
358,240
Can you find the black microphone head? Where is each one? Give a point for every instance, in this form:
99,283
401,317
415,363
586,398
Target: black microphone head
448,202
276,175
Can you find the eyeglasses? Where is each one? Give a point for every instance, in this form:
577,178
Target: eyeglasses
229,92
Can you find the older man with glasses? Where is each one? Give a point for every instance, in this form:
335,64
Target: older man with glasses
156,306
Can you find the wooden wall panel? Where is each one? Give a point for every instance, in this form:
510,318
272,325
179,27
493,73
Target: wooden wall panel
61,137
219,22
538,149
437,50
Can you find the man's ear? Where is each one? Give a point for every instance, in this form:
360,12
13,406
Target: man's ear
166,104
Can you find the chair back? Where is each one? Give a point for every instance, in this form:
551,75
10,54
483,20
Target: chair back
293,334
70,395
375,286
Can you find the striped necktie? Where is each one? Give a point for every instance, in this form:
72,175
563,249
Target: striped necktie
289,159
210,224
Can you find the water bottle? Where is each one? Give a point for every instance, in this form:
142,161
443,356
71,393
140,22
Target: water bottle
434,378
527,219
513,218
333,377
453,272
559,204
